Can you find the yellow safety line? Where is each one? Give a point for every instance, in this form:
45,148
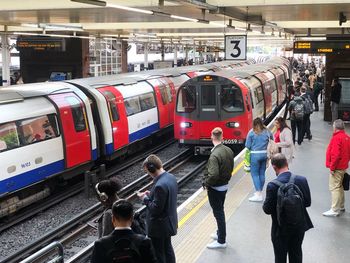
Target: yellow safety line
201,203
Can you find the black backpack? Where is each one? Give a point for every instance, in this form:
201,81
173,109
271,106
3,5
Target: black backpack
290,205
126,250
139,224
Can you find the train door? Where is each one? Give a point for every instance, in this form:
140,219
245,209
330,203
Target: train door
168,95
117,116
208,106
75,128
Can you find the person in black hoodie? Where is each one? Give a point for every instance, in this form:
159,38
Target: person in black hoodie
335,98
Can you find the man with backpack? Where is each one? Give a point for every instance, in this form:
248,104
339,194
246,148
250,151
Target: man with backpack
123,245
307,96
297,112
286,200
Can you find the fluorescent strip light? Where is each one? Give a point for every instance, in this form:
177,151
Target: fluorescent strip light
60,27
90,2
130,9
217,24
184,18
240,29
52,35
30,25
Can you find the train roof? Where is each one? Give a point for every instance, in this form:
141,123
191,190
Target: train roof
22,91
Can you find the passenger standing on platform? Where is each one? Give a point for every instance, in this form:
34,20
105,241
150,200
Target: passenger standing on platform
161,213
217,174
335,98
307,97
297,111
284,139
257,141
337,160
287,239
123,245
107,194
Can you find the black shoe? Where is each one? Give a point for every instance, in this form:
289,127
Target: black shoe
310,137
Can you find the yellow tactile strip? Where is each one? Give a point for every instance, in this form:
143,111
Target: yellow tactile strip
195,234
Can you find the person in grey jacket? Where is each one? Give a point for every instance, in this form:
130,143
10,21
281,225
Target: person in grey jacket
216,177
284,139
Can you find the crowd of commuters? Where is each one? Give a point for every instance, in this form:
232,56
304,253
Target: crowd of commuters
118,238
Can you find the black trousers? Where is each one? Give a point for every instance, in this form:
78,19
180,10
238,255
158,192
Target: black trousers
306,126
164,249
288,244
297,124
216,201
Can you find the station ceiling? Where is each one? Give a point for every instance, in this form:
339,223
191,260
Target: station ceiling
281,20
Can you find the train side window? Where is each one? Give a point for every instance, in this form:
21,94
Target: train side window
147,101
165,92
208,97
259,94
9,138
273,85
37,129
112,107
78,113
231,98
186,101
132,105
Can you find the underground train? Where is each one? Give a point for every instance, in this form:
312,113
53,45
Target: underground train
230,100
57,130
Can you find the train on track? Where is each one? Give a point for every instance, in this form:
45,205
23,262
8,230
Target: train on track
56,130
231,100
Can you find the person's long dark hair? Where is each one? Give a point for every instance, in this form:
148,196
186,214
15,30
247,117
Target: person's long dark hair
258,125
282,122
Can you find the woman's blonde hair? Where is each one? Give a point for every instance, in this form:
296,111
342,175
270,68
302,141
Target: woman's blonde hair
258,125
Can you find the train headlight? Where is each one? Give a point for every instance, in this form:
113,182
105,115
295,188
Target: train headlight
233,124
185,124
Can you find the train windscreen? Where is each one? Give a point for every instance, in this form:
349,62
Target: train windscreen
231,98
186,100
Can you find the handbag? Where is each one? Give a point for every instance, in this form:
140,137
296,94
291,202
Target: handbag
346,181
272,148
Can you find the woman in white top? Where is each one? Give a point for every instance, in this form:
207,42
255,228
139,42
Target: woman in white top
284,139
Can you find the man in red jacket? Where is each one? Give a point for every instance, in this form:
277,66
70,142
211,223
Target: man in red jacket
337,160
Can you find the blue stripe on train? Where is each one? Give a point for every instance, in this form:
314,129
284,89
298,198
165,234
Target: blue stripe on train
94,154
109,148
25,179
143,133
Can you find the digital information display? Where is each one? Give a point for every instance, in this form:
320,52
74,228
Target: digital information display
41,44
321,47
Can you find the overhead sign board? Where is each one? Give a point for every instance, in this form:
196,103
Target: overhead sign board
41,44
236,47
321,47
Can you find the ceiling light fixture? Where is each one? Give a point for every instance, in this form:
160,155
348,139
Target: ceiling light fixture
91,2
184,18
52,35
132,9
45,26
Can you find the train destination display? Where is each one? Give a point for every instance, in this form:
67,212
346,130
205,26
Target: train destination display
321,47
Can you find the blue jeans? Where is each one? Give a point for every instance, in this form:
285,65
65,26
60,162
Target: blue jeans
257,169
216,201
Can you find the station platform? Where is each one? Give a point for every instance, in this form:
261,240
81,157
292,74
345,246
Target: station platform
248,227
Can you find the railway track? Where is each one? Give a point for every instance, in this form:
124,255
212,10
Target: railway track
78,233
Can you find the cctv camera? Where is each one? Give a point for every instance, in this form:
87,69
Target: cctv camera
342,18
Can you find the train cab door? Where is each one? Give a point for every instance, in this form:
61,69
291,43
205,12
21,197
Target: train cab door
208,95
169,94
75,128
117,117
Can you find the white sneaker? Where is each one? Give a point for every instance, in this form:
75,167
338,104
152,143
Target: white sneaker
216,244
214,236
256,198
330,212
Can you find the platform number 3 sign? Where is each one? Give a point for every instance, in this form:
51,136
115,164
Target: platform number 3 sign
236,47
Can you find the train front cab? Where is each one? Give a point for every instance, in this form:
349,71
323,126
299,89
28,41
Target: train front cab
210,101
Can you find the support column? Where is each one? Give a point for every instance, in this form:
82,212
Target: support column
145,56
124,56
175,55
6,60
162,50
194,53
186,54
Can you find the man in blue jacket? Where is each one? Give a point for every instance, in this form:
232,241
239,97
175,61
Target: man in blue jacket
286,241
161,203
